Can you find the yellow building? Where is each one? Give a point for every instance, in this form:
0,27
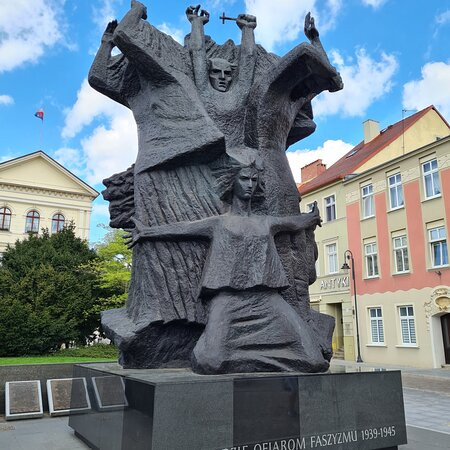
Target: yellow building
387,200
37,192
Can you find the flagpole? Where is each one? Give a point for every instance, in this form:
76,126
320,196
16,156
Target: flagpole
40,115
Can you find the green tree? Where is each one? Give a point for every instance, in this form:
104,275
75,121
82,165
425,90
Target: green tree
114,269
48,293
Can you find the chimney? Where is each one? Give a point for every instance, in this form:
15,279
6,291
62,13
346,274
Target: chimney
371,130
313,169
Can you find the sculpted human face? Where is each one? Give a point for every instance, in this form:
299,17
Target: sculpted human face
246,183
220,74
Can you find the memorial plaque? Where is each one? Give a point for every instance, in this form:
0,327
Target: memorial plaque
109,392
23,400
67,395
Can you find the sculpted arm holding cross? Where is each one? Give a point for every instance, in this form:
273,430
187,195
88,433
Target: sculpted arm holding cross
217,71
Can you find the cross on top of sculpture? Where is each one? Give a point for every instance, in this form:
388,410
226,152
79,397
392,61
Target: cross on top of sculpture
222,256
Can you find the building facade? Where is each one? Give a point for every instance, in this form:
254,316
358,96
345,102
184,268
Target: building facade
388,201
37,192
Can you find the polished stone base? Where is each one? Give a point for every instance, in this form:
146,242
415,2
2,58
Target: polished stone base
175,409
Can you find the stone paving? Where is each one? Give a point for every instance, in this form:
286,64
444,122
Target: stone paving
49,433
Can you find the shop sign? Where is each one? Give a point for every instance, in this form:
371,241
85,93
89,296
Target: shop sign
334,283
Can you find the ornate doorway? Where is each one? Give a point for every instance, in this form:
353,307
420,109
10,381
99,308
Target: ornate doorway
445,323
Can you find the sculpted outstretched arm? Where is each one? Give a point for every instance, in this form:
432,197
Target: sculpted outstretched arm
99,74
247,57
196,44
298,222
129,38
172,232
305,71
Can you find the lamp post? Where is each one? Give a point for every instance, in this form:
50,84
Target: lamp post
349,256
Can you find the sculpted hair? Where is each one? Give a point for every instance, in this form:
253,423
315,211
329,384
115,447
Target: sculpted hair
226,175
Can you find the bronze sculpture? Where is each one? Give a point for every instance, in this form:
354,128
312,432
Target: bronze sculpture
198,108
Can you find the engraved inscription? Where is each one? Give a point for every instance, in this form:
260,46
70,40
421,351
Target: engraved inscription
322,440
24,397
68,394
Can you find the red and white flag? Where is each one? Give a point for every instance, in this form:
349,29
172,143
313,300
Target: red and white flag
39,114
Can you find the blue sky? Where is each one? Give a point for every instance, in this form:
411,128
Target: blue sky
392,55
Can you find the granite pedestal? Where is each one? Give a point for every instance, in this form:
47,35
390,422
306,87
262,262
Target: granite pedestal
174,409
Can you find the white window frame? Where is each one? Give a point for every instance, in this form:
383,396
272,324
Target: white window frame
376,325
440,240
330,202
400,245
407,322
334,254
397,187
367,199
431,173
309,207
371,259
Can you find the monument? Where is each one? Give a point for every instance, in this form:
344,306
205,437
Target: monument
214,122
217,332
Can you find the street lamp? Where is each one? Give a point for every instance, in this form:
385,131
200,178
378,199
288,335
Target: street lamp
349,256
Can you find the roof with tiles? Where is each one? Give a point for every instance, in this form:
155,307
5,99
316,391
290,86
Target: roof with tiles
362,152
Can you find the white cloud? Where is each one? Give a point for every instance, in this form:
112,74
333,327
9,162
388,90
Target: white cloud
104,13
176,33
100,209
212,5
329,153
278,23
283,22
6,100
327,18
375,4
443,18
27,29
432,88
365,81
111,147
71,159
89,105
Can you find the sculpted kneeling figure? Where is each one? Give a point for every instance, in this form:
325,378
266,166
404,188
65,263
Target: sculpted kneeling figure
250,327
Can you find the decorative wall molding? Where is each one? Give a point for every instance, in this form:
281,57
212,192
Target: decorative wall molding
438,303
43,191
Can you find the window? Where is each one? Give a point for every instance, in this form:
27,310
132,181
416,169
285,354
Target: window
309,206
330,208
395,191
367,201
376,325
57,223
32,222
370,251
438,243
407,325
332,258
5,218
400,254
431,179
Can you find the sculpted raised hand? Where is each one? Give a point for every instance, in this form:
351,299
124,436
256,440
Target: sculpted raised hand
246,20
311,31
109,31
192,13
139,6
